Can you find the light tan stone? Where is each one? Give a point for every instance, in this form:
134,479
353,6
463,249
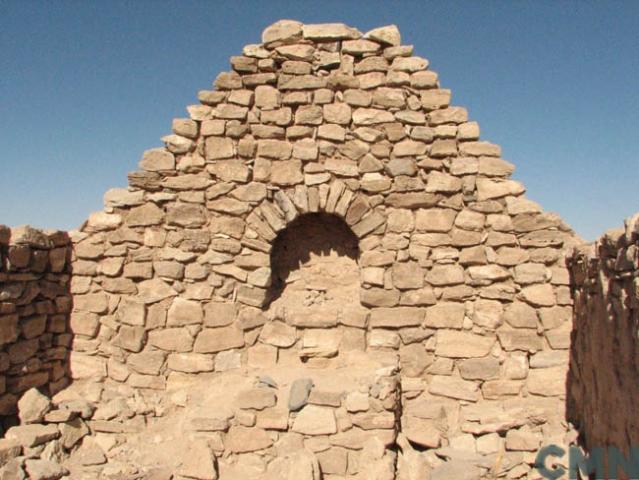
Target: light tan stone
454,344
315,420
212,340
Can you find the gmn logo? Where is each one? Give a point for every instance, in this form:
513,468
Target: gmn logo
592,463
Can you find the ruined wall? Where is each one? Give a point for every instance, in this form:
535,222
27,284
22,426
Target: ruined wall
323,209
604,380
456,271
34,312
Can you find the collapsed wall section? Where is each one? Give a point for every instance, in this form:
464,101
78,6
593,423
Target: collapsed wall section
604,370
34,312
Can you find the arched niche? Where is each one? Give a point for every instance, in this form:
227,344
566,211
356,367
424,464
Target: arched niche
315,260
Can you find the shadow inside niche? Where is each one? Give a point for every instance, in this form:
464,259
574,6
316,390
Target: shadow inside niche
313,234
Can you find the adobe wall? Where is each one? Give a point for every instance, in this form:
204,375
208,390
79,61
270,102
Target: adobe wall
604,380
34,312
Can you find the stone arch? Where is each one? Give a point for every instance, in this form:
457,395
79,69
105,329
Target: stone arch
272,215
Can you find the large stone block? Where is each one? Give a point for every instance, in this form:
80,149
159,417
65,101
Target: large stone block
212,340
454,344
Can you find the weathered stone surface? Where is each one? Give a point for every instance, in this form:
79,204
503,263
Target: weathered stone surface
299,393
371,116
256,398
445,315
190,362
314,420
479,368
329,31
184,312
407,275
456,344
32,435
520,315
422,432
145,215
243,439
278,334
172,339
211,340
434,220
44,470
198,462
454,388
157,159
396,317
86,366
33,406
388,35
287,172
488,189
284,31
539,295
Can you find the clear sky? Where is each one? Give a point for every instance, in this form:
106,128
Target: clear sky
87,86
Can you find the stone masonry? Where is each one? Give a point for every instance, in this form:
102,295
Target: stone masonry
35,302
324,273
604,372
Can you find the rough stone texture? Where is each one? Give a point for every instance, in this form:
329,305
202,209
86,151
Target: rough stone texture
605,346
35,306
323,213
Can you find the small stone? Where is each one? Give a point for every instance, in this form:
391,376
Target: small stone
330,31
454,388
283,31
44,470
198,462
33,406
184,312
256,398
421,432
387,35
299,394
314,420
243,439
212,340
357,402
9,449
454,344
32,435
157,159
371,116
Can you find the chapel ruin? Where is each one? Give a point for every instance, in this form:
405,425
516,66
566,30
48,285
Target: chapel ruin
324,273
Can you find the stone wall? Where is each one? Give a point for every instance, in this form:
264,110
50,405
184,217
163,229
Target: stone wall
34,312
324,273
604,380
443,261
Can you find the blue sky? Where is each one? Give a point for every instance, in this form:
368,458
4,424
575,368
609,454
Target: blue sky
86,86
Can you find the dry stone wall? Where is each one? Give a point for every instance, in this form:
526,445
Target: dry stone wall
34,313
324,209
604,379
